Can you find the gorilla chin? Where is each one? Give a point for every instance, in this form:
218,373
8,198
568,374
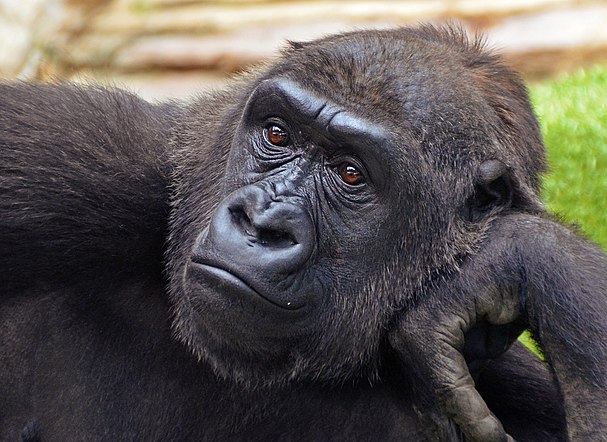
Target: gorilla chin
248,339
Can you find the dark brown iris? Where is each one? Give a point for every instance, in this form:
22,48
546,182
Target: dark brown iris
350,174
276,135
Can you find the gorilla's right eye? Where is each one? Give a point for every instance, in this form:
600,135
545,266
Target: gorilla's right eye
276,135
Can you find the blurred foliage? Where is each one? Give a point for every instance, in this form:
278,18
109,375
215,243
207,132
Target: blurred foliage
573,116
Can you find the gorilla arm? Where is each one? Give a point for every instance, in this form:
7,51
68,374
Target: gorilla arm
530,271
83,182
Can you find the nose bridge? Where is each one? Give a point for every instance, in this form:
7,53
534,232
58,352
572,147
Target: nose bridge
289,186
280,217
274,204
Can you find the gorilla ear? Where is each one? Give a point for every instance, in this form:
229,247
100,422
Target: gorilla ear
492,189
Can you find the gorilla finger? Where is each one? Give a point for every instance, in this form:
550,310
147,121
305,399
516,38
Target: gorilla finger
460,400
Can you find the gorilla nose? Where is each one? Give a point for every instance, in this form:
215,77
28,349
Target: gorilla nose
253,230
275,227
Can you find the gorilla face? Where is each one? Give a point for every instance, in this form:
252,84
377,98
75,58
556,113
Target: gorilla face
285,259
343,187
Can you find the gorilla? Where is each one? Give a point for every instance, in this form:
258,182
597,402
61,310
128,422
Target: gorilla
343,244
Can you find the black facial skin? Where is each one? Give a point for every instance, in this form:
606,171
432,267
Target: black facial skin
288,239
299,232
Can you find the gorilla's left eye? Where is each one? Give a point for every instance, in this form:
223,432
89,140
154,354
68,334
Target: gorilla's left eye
350,174
276,135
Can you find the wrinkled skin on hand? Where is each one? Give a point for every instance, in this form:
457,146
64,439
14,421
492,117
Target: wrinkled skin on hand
465,319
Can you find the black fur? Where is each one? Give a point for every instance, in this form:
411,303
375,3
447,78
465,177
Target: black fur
96,185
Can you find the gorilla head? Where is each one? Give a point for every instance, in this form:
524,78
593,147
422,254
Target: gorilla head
321,193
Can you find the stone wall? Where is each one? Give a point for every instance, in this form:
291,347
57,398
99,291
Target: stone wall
170,47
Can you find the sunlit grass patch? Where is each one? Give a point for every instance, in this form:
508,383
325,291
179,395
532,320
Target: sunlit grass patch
573,116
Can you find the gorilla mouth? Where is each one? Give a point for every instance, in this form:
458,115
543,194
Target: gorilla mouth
227,280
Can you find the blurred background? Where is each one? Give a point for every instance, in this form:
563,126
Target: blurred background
163,48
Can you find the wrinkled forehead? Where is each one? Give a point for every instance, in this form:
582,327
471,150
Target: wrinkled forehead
410,83
283,96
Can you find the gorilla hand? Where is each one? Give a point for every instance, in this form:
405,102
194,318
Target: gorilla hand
443,344
531,272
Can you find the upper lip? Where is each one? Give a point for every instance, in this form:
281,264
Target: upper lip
207,263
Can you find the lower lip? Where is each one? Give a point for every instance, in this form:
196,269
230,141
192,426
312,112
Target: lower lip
228,281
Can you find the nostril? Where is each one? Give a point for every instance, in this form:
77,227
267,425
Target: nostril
242,221
265,236
276,238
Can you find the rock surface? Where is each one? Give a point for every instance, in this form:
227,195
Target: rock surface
171,47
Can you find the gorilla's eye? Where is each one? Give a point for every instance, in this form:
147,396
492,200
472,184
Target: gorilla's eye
276,135
350,174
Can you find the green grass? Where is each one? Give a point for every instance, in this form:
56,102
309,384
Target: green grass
573,116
